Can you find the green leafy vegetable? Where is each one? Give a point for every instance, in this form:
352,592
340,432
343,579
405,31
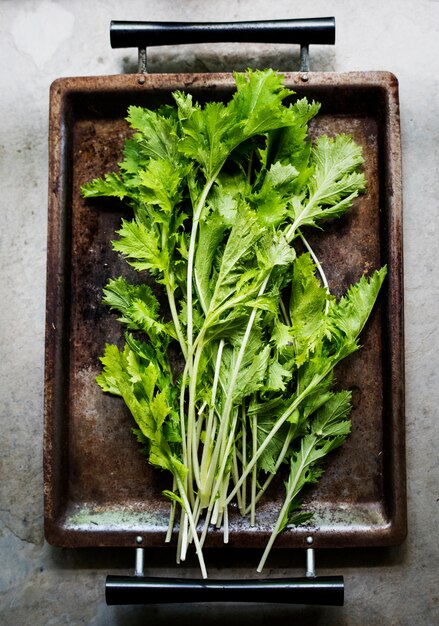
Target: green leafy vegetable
220,196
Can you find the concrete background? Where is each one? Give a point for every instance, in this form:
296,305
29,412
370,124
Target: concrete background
41,40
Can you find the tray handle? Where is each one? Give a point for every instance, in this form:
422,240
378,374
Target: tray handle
316,30
322,590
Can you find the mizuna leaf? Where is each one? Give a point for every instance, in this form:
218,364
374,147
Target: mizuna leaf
349,316
110,185
141,247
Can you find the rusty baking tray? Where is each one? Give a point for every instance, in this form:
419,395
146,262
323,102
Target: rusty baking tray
99,491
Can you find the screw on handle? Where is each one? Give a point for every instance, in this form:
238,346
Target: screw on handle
317,30
323,590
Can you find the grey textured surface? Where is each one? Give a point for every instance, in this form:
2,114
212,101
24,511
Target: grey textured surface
43,39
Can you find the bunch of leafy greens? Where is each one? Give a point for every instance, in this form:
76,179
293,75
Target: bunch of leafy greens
220,193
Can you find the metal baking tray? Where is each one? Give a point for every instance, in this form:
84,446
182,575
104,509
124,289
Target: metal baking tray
99,489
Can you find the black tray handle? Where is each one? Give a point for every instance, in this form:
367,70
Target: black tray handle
321,590
317,30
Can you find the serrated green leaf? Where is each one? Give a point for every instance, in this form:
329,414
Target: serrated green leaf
110,185
257,106
141,247
119,295
307,309
160,183
277,376
349,315
157,137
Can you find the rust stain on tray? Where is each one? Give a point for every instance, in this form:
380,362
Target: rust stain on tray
99,489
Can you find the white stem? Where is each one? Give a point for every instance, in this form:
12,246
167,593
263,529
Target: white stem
201,409
223,492
191,435
215,513
273,536
244,456
227,451
226,524
211,422
235,476
196,516
176,321
200,420
183,521
182,414
192,452
171,515
191,255
187,508
184,538
214,492
319,269
279,462
218,451
254,471
284,510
